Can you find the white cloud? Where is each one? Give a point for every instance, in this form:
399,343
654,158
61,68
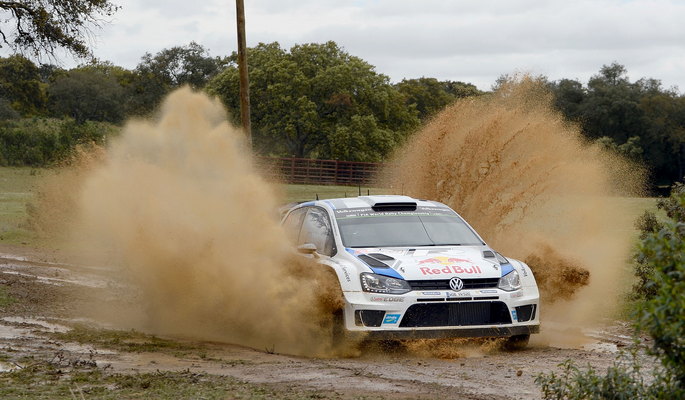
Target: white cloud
467,40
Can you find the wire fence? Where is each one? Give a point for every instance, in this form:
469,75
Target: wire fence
320,172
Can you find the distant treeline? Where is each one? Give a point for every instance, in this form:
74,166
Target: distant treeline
310,101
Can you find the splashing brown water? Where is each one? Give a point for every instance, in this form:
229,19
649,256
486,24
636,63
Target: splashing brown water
177,205
528,183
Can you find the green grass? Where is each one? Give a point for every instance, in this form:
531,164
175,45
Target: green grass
130,341
45,380
5,298
309,192
16,190
17,186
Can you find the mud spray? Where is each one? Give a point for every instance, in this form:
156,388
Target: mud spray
178,207
530,185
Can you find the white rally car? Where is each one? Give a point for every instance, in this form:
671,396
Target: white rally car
412,268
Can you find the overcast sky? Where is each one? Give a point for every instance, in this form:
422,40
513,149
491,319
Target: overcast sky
467,40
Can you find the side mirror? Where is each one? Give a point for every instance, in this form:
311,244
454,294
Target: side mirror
307,248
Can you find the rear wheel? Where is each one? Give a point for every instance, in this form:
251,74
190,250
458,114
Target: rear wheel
516,342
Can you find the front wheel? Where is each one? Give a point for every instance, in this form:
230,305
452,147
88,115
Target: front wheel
516,342
338,334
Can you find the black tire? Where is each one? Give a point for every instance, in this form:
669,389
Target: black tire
516,342
338,331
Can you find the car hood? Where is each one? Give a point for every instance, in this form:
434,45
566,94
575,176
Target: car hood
431,263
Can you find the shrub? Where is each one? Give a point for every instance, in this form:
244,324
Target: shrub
661,315
41,142
645,288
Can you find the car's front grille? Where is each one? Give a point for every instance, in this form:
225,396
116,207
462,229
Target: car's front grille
456,314
444,284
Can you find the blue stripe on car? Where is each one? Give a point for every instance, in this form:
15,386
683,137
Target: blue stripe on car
506,268
386,271
380,271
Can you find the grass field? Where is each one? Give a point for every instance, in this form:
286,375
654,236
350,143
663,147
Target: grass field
310,192
17,187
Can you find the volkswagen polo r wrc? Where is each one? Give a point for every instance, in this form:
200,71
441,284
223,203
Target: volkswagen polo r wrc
412,268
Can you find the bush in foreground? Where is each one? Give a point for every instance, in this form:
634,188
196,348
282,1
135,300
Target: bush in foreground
661,315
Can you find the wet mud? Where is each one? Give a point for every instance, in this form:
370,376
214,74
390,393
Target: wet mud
30,333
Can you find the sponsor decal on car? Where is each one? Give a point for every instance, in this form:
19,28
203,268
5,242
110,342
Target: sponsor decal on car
431,293
388,299
518,293
458,294
513,316
347,274
489,291
444,260
391,319
451,270
449,266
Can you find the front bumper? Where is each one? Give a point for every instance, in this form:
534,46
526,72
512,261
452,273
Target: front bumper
454,332
443,314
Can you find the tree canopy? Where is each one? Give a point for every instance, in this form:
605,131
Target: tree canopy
639,119
157,75
43,26
316,100
89,93
429,95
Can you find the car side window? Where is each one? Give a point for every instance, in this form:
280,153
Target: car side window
293,223
316,229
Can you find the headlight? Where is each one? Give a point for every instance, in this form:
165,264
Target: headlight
510,282
383,284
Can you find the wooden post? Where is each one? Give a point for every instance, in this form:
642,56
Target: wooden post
242,69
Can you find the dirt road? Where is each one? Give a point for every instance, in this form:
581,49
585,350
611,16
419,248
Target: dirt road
47,299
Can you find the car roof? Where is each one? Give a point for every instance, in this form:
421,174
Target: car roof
377,202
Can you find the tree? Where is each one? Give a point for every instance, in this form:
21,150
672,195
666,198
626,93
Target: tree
631,149
43,26
612,105
170,68
316,100
90,92
181,65
429,95
569,96
20,85
643,117
664,115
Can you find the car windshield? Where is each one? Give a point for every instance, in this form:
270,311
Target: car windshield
406,230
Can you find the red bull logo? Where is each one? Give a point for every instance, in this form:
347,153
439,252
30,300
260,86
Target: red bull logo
448,266
444,260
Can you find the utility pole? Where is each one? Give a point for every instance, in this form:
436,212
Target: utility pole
242,69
